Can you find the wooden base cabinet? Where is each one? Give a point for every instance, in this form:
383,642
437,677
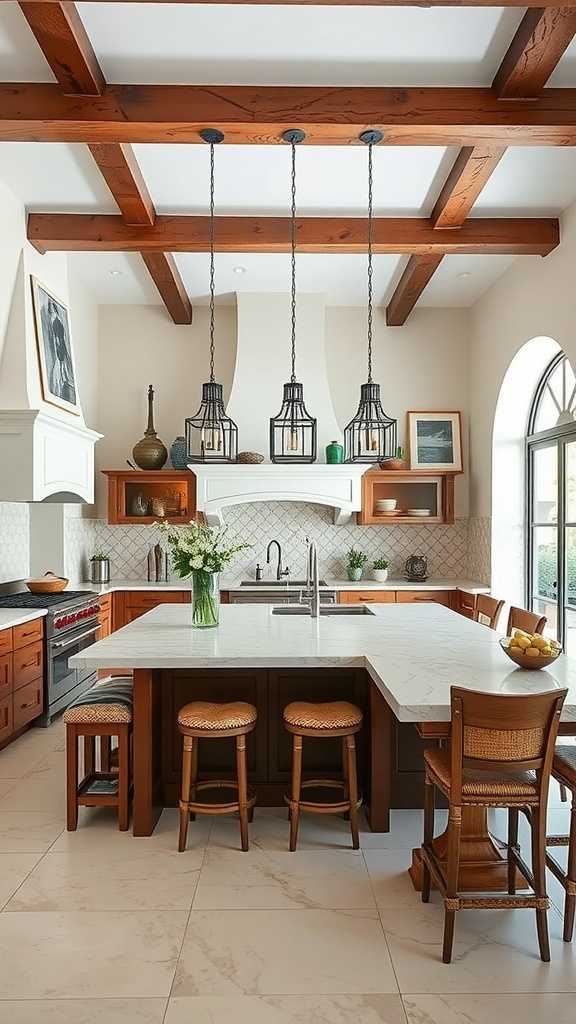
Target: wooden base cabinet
21,678
131,604
444,597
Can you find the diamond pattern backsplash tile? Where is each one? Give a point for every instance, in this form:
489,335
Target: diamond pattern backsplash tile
14,541
446,547
479,548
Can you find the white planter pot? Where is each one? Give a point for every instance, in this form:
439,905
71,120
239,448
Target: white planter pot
380,575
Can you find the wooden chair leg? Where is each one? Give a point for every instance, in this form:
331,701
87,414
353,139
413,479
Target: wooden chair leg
512,845
123,778
89,755
538,820
429,807
242,789
452,867
352,789
71,778
105,753
185,792
296,784
570,900
193,774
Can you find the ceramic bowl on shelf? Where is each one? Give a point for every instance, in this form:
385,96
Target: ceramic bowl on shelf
386,504
524,660
421,512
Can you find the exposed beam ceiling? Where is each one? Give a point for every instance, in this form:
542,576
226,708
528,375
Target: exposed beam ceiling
414,235
67,48
416,276
541,39
259,114
470,172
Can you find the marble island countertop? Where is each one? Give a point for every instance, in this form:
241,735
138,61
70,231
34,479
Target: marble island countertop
413,653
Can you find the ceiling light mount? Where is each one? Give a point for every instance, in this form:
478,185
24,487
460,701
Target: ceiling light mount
293,136
371,137
212,136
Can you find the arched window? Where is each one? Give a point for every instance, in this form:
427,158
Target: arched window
551,501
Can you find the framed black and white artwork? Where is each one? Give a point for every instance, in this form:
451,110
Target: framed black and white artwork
54,349
434,441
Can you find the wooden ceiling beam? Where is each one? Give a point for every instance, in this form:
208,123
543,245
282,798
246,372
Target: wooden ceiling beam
416,276
542,37
472,168
259,114
68,232
63,40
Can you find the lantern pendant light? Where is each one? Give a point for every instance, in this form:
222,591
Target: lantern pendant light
371,434
293,430
211,436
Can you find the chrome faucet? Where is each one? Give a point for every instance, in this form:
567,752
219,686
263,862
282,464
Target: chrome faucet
313,580
280,572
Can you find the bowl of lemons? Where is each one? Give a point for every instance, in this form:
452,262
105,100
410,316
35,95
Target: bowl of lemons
530,650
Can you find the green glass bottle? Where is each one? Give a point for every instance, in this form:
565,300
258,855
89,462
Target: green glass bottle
334,453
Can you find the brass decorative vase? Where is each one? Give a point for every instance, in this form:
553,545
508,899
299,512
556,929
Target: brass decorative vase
150,452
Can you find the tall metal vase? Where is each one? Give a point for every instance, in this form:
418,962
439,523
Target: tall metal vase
150,452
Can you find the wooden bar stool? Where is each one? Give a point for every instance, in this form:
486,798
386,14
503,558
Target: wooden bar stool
529,622
104,711
500,755
564,771
338,718
206,721
488,610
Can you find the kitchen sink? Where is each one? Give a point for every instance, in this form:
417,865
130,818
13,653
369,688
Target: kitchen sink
330,609
287,583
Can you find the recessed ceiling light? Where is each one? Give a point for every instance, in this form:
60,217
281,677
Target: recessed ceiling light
463,275
115,273
239,270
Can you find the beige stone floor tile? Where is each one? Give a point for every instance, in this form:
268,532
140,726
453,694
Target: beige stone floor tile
139,879
98,830
52,955
490,1009
372,1009
391,884
17,759
28,831
406,830
270,831
266,879
495,951
84,1011
14,868
41,789
6,785
284,952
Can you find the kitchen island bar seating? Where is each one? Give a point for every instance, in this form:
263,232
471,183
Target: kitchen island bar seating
104,711
501,753
564,771
338,719
528,622
487,610
209,721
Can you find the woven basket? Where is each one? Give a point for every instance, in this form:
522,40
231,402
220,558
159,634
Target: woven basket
250,458
526,660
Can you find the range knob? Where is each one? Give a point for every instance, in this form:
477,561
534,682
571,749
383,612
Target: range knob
58,624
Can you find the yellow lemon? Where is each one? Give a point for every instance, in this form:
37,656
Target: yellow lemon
523,642
520,633
532,652
546,651
539,642
516,651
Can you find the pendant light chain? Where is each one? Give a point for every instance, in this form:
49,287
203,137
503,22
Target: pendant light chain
212,262
293,243
370,270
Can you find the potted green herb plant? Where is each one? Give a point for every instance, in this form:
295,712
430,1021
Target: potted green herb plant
355,564
199,553
380,570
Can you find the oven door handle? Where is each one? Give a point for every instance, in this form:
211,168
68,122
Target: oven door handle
74,639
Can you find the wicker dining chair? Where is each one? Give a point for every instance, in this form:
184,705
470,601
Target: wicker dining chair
528,622
564,771
500,755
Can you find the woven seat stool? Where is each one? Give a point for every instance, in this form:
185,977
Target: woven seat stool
564,771
336,718
202,720
103,711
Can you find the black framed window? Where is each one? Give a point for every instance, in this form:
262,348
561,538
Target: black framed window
551,502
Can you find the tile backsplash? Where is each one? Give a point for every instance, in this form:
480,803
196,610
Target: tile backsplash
14,541
446,547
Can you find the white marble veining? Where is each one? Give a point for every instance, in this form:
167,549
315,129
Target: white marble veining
16,616
414,653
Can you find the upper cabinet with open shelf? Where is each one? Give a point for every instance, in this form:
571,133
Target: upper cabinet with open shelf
139,497
433,493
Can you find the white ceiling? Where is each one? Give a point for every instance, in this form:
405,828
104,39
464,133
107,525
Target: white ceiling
286,45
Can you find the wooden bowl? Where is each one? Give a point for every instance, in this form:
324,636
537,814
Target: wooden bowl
48,584
526,660
398,464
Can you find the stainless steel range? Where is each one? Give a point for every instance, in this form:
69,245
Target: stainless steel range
72,622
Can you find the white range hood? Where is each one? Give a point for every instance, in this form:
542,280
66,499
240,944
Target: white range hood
262,368
220,487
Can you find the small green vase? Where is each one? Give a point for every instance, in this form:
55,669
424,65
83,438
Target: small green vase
334,453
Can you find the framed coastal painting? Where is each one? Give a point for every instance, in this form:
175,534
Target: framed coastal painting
54,349
435,441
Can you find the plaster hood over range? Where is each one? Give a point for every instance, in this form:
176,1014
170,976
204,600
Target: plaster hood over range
262,368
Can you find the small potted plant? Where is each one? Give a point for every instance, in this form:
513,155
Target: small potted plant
99,568
398,462
380,570
355,564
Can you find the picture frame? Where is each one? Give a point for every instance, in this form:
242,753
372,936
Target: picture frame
55,351
435,441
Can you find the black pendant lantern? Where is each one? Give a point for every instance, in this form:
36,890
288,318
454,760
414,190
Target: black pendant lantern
371,435
293,430
211,436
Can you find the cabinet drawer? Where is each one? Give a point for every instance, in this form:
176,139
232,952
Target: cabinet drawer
28,632
144,600
28,664
367,596
5,641
6,719
424,597
28,703
5,675
105,603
